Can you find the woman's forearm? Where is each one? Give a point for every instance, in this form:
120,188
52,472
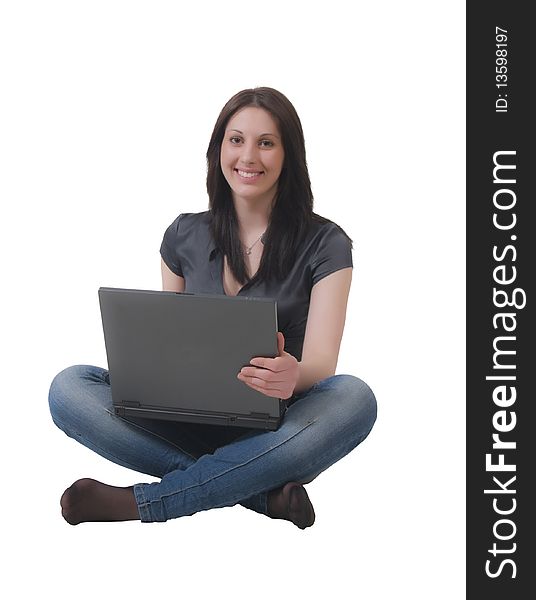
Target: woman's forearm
310,373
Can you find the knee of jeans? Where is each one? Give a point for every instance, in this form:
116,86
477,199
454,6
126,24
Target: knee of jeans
62,395
359,399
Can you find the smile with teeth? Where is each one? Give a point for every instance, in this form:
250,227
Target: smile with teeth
248,174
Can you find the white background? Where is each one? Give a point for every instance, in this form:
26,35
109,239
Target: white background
106,113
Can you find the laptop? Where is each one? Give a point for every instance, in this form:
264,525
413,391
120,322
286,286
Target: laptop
175,356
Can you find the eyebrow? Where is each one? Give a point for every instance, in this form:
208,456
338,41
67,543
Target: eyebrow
261,135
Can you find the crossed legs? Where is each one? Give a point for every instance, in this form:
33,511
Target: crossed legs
203,467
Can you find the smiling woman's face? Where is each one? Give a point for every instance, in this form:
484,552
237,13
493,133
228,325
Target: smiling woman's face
252,155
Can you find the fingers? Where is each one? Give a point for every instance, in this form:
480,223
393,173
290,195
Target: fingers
268,363
273,364
274,377
266,382
260,384
272,389
280,343
264,374
263,384
267,392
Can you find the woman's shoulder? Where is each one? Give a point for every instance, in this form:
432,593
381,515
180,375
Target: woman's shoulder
188,233
330,248
192,220
322,227
188,224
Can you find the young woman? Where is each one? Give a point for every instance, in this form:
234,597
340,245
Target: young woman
260,238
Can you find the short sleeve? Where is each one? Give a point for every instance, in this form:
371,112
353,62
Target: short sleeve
334,252
169,247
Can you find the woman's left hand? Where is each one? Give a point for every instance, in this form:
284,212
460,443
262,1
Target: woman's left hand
276,377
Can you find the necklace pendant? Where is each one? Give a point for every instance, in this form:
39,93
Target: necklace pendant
248,251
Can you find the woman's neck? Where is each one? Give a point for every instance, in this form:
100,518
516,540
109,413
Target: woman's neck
253,219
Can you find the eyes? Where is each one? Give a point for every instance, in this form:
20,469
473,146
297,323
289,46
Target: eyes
236,140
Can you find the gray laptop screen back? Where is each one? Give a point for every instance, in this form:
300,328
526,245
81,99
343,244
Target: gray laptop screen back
180,353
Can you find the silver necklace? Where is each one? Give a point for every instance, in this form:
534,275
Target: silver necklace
250,248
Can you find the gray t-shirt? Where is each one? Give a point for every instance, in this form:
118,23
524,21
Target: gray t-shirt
189,250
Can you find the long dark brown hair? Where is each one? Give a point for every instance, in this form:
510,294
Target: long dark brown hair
292,212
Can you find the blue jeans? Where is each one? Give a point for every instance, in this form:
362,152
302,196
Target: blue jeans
211,466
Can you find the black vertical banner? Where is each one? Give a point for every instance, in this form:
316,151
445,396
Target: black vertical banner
501,333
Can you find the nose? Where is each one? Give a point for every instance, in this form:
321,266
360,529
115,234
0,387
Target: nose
249,154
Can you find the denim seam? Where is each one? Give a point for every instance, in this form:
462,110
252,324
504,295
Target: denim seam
239,466
144,509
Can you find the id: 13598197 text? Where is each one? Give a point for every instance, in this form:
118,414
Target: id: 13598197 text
501,69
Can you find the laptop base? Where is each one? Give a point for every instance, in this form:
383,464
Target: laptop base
253,420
